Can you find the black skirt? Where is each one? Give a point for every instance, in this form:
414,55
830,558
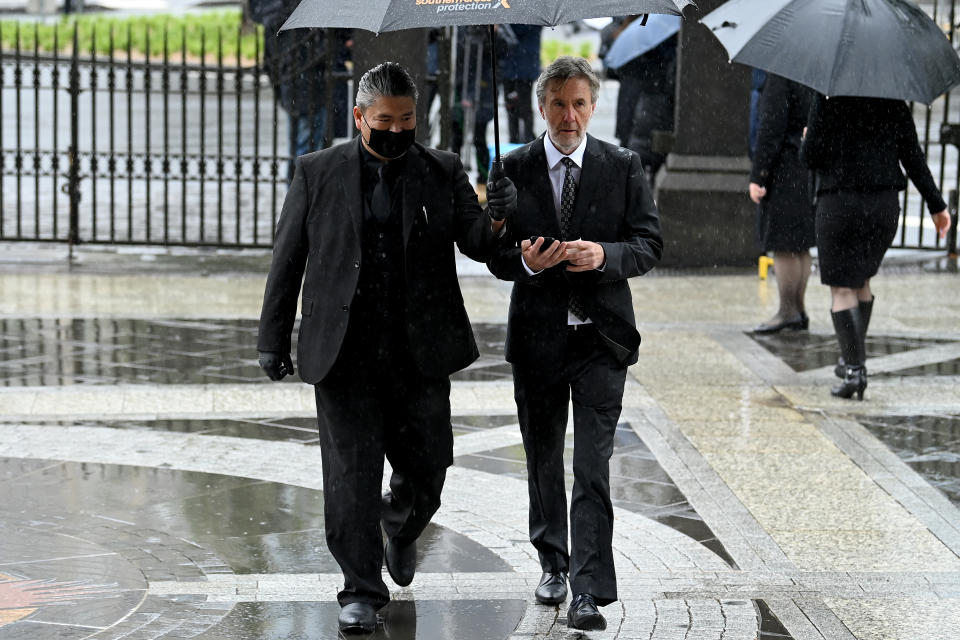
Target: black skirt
854,231
785,217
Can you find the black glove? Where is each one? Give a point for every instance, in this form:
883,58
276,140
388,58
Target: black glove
501,194
276,365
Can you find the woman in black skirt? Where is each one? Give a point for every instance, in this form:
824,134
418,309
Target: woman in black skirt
780,185
856,146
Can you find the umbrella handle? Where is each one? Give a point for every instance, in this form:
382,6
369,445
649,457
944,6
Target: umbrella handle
496,100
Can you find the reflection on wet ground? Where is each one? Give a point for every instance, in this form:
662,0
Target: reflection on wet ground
251,525
637,483
930,445
401,619
804,351
56,351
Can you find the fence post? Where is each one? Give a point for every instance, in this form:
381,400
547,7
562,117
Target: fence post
954,205
73,187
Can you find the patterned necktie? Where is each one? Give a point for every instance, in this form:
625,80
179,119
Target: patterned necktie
380,202
568,197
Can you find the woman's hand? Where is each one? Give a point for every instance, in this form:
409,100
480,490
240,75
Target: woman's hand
757,193
941,221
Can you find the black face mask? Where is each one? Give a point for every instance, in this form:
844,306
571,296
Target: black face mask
391,144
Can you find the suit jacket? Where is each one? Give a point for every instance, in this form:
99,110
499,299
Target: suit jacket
615,209
318,240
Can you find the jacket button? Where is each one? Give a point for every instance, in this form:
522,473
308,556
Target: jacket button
346,307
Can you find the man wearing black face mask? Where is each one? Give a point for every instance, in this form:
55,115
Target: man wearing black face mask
370,227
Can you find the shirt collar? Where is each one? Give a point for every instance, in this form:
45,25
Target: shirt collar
554,156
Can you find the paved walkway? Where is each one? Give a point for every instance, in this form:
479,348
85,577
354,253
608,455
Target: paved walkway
156,486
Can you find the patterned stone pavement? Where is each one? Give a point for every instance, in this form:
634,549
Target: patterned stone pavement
155,486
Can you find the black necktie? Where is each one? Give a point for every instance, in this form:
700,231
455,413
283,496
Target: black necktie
380,202
568,197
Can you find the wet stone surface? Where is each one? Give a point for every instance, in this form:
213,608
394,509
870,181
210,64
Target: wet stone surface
54,351
637,483
804,351
930,445
406,620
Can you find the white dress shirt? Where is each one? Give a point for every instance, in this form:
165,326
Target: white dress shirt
557,173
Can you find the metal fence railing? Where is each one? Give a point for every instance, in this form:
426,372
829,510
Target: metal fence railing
168,149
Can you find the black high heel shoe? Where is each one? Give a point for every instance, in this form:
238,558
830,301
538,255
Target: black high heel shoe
854,382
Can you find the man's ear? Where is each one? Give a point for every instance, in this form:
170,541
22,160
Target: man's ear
357,116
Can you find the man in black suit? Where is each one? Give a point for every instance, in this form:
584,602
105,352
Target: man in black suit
372,223
571,326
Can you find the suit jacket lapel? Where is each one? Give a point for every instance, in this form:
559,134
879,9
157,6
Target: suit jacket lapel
350,177
414,174
591,185
542,188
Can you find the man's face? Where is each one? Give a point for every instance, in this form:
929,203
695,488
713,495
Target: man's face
389,113
567,108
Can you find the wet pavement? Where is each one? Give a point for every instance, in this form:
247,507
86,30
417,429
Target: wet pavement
155,485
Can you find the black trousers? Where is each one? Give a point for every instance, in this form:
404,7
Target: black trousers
594,380
368,409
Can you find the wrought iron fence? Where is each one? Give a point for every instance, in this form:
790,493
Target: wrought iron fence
123,148
134,149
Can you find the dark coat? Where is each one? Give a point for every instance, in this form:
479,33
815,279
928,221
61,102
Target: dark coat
522,60
858,144
319,234
293,59
614,208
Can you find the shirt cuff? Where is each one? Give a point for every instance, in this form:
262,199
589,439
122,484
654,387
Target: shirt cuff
526,268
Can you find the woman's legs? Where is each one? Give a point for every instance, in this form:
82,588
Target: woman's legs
793,271
848,322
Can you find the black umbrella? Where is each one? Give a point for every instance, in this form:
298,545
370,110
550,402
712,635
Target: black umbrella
393,15
868,48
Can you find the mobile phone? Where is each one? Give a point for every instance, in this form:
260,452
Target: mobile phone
547,242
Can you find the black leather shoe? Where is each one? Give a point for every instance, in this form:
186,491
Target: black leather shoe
552,588
357,617
401,562
797,323
583,614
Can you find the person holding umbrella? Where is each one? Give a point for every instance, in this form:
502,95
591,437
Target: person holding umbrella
871,57
856,147
571,329
369,228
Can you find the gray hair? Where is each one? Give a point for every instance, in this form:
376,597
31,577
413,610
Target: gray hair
387,79
566,68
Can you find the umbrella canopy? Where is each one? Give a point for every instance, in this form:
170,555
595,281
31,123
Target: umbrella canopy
392,15
867,48
638,38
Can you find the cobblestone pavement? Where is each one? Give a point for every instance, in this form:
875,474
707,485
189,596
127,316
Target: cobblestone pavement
156,486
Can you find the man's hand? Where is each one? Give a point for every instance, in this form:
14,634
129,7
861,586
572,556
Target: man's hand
941,221
757,193
537,260
277,366
501,198
584,256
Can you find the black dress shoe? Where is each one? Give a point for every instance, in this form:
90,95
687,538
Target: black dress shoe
552,588
401,562
797,323
357,617
583,614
